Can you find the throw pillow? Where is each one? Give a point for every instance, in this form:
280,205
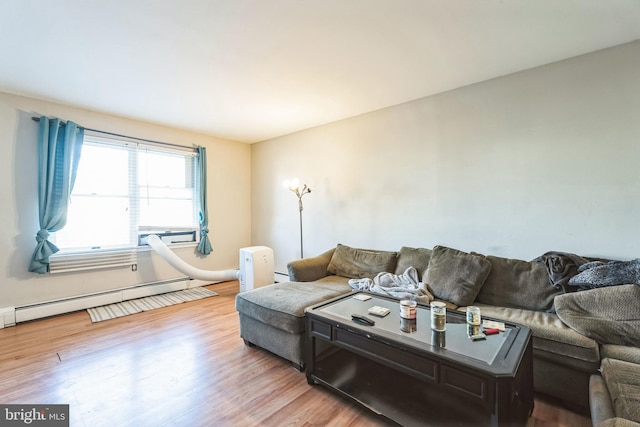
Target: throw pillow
608,315
417,258
456,276
597,274
360,263
516,283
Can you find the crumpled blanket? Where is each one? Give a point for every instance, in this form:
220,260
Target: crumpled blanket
568,271
405,285
561,267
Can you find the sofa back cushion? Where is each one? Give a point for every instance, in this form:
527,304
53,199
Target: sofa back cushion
360,263
515,283
456,276
413,257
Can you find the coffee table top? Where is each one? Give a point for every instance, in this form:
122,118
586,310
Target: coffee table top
488,353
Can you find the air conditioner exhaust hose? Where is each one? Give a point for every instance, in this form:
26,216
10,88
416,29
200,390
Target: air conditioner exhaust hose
182,266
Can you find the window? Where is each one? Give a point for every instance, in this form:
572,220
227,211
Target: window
126,189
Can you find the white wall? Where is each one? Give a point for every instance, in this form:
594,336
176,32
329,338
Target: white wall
228,189
545,159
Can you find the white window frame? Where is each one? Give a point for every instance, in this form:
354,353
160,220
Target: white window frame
135,232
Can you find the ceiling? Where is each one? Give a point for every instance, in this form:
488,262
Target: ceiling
251,70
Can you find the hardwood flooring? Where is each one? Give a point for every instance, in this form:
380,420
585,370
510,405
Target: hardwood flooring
183,365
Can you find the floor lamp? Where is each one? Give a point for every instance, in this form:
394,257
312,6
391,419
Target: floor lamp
299,192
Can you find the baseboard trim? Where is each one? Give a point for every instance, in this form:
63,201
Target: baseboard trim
280,277
54,308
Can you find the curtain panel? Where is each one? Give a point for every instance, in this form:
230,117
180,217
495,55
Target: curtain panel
204,247
59,149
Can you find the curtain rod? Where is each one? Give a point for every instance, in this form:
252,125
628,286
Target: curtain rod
168,144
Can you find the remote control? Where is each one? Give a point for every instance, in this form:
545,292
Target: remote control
363,320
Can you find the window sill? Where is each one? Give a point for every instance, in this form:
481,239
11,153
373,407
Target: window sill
147,248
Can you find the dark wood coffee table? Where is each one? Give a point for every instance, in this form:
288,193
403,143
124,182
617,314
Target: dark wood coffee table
420,377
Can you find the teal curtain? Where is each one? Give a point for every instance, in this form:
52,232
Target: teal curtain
204,247
59,148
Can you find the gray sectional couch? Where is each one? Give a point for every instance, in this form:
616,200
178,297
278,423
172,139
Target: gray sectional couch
572,341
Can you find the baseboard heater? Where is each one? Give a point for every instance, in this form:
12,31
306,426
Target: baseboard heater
73,262
53,308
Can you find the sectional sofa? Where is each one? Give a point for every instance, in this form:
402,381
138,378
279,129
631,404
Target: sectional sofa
576,335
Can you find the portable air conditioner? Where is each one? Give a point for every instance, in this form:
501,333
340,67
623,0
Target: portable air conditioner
256,267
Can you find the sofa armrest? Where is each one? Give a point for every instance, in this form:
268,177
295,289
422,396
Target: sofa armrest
599,400
310,269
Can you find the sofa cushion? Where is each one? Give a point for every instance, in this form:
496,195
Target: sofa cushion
620,352
413,257
623,382
456,276
282,305
517,284
609,315
552,339
360,263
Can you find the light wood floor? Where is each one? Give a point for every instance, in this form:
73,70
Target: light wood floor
183,365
